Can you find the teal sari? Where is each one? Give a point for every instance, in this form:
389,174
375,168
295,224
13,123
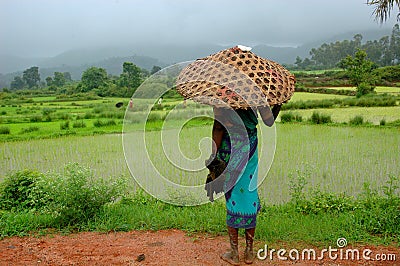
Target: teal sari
239,150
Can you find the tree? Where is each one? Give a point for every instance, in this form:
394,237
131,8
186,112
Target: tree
67,76
59,79
395,43
131,78
155,69
31,77
18,83
93,78
383,8
49,81
360,69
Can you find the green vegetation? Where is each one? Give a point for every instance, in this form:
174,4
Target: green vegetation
382,52
335,171
76,201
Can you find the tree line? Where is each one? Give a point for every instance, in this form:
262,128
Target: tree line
94,79
382,52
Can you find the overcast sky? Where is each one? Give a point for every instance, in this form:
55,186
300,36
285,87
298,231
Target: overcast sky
49,27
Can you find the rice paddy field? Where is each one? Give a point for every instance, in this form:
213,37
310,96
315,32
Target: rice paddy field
378,89
337,159
334,158
373,115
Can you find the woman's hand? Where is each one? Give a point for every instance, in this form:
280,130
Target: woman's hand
269,116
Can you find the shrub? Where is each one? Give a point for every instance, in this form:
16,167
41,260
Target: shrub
64,125
88,115
290,117
5,130
29,129
101,123
79,124
47,118
48,111
380,214
77,195
98,109
322,202
287,117
364,88
317,118
17,190
357,120
35,118
382,122
64,116
155,116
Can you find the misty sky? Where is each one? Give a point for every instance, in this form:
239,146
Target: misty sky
49,27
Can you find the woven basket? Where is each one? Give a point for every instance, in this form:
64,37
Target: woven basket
238,78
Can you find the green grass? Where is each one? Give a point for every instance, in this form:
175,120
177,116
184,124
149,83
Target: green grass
341,158
275,224
393,90
339,115
315,72
378,89
305,96
335,159
19,131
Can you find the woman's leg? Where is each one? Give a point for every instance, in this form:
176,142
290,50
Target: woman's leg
249,254
232,256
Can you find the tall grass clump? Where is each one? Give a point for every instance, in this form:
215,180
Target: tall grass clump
317,118
79,124
5,130
64,125
357,120
291,117
29,129
102,123
36,118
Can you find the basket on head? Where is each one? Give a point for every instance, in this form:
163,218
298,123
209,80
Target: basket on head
238,78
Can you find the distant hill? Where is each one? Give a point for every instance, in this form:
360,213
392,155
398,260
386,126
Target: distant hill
146,56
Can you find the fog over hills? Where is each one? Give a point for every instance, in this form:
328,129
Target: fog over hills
146,56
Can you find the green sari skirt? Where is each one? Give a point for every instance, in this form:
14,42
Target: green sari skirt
240,152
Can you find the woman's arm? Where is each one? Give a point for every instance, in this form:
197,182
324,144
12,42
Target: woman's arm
217,134
269,116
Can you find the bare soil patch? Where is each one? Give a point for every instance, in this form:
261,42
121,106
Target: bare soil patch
165,247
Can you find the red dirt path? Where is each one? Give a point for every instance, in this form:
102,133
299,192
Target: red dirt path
166,247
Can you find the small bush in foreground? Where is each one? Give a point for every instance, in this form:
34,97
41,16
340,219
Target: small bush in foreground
77,195
72,197
17,190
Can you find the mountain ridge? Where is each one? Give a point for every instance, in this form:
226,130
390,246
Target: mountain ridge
146,56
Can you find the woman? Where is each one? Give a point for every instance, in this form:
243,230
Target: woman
235,142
